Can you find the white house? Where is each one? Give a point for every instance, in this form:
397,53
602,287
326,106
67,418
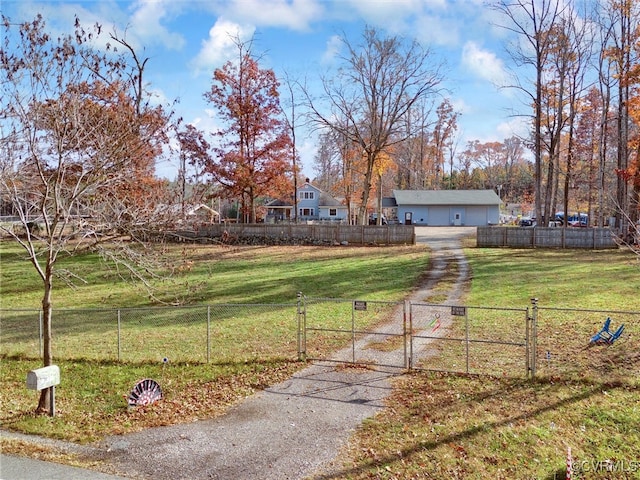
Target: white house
447,207
313,205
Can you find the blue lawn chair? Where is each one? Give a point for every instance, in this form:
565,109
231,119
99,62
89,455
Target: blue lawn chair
604,336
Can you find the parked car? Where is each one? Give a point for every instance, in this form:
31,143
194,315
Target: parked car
528,222
575,220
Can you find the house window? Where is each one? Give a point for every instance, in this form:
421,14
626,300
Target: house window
307,195
306,212
333,212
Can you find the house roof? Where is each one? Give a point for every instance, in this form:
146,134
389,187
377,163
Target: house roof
327,200
324,199
195,208
278,203
389,202
189,209
446,197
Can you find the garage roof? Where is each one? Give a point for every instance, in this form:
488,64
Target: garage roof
446,197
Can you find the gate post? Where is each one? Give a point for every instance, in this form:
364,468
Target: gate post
302,330
534,336
208,333
527,343
404,333
119,336
466,338
353,332
410,336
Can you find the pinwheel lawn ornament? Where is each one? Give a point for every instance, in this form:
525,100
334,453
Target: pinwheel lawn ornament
145,392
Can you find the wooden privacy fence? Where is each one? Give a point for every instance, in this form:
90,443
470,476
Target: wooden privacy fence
307,233
546,237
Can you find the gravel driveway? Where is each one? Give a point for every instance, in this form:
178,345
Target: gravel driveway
293,430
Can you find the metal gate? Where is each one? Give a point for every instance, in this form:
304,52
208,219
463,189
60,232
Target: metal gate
477,340
361,332
408,335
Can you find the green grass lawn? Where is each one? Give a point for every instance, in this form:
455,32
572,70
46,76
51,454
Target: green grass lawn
197,274
478,427
251,346
438,426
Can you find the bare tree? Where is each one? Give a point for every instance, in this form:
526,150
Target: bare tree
194,150
78,144
513,155
606,84
380,81
413,156
531,20
443,136
327,163
578,50
292,122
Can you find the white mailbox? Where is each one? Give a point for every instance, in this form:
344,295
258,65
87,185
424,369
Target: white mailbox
44,377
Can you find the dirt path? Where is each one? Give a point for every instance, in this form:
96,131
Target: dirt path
293,430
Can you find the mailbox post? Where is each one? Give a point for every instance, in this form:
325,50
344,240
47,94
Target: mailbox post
45,377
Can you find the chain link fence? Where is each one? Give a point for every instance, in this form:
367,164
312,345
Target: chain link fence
532,341
211,333
564,348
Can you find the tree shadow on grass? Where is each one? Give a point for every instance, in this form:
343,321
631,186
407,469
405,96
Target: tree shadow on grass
405,454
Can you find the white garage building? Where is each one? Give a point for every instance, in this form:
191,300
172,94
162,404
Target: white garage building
447,207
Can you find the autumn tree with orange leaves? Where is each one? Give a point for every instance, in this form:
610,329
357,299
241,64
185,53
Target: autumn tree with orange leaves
253,158
630,171
78,145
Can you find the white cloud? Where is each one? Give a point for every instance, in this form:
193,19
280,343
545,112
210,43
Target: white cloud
460,105
307,150
60,17
334,44
146,24
141,25
207,123
295,14
221,44
483,63
391,11
429,21
518,126
388,13
436,30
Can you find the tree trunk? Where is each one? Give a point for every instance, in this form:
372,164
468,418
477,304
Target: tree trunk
379,219
537,176
371,157
45,398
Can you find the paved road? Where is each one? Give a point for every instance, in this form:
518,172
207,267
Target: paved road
20,468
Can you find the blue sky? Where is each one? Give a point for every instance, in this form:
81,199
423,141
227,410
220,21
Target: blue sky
186,40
